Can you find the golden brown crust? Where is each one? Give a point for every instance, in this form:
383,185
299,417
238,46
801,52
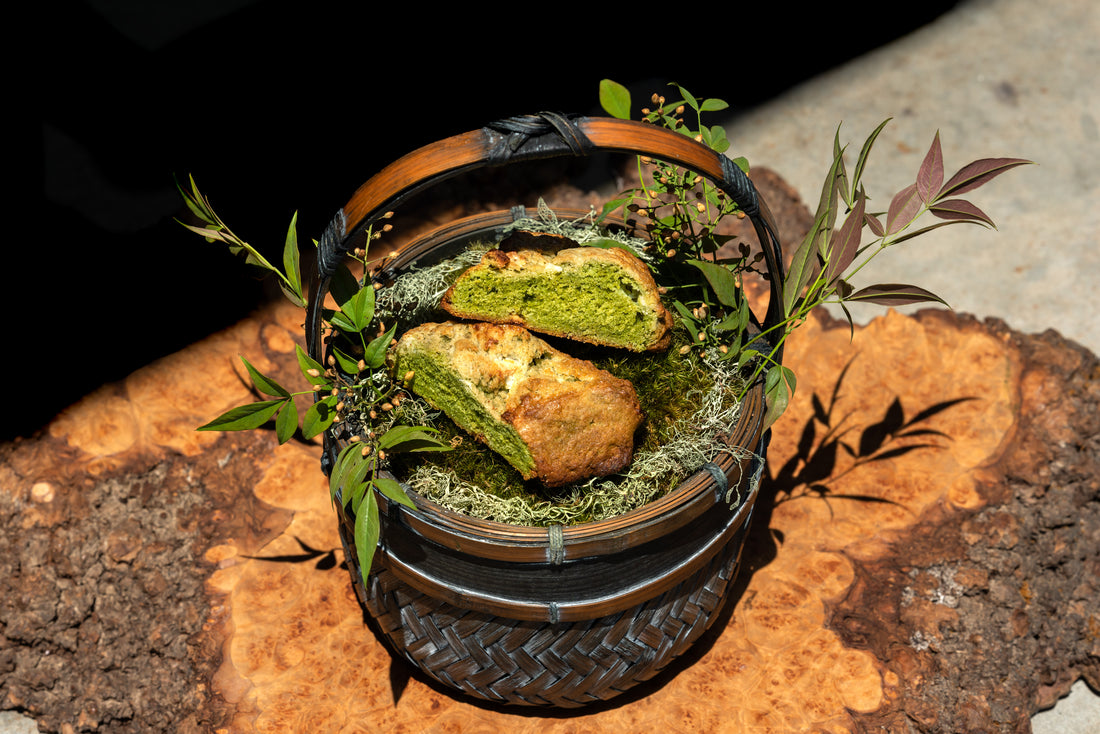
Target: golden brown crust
542,259
576,430
577,420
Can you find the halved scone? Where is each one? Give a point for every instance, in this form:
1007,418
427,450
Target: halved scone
551,416
597,295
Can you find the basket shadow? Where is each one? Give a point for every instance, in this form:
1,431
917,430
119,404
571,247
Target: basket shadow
808,474
811,473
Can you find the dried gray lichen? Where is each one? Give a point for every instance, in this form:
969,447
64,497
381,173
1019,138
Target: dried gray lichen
696,441
414,296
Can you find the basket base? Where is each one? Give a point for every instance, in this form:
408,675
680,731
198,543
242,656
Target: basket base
565,665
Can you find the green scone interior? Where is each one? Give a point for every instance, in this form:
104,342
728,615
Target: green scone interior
597,295
551,416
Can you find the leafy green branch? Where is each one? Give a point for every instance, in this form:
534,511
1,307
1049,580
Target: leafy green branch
680,211
355,383
215,230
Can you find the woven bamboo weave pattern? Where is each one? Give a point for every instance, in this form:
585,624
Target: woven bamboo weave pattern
542,664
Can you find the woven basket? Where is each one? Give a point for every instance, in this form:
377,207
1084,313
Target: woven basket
559,616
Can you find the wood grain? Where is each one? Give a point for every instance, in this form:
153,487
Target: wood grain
933,525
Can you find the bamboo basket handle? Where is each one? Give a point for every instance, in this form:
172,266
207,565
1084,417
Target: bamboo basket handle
531,137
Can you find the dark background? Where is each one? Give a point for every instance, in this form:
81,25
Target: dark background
277,108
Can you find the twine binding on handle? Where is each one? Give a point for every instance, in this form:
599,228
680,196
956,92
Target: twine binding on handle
534,136
330,252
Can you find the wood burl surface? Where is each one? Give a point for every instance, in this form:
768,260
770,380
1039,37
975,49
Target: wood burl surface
833,627
924,557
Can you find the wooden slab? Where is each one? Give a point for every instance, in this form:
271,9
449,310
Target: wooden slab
926,555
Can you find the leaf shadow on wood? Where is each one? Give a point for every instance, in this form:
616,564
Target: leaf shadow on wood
326,559
831,447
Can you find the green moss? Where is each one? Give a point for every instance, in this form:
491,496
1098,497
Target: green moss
687,401
667,384
673,390
594,300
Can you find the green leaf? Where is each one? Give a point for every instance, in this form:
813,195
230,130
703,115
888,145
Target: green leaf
803,264
689,98
356,312
392,489
356,487
717,139
319,416
196,202
829,201
689,320
842,174
309,365
210,233
375,353
614,205
865,152
293,296
245,417
265,384
722,281
713,105
345,361
365,533
615,99
412,439
349,477
736,320
345,464
292,288
343,285
779,386
286,422
746,356
340,320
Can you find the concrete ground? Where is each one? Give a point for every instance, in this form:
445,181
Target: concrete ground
996,78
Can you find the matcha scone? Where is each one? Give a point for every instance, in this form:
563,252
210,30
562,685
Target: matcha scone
591,294
551,416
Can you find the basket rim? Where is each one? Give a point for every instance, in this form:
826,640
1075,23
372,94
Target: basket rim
490,539
495,540
627,589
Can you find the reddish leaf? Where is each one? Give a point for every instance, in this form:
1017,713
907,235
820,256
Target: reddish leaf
973,175
960,209
845,244
894,294
930,176
903,209
874,224
918,232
